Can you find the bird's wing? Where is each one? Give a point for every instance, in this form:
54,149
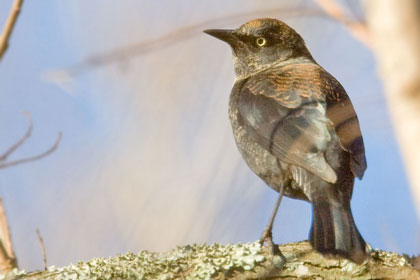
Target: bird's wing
294,112
341,113
287,118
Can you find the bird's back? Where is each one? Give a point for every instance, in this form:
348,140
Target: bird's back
285,92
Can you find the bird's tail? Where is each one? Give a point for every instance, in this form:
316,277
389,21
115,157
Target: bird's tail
334,232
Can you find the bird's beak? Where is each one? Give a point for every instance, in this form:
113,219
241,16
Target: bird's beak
226,35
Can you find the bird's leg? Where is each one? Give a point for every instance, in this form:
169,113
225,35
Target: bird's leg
267,235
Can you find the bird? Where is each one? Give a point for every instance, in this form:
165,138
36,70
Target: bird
297,129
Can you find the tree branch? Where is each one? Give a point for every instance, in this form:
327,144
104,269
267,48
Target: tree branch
8,259
8,27
34,158
44,253
357,28
12,148
395,28
168,39
239,261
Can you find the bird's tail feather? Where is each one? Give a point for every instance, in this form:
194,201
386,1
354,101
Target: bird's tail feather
334,232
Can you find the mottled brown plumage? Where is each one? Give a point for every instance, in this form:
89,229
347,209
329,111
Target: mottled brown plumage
296,129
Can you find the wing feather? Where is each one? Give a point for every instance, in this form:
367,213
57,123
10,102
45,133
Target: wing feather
295,112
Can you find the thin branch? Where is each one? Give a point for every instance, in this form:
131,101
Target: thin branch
330,11
12,148
44,254
8,27
356,28
8,259
167,40
356,15
34,158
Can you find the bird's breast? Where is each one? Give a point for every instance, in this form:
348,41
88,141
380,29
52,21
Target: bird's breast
262,163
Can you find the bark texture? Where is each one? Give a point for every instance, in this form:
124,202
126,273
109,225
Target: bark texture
240,261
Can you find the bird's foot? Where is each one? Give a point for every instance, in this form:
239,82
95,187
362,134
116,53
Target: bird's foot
267,238
277,257
266,235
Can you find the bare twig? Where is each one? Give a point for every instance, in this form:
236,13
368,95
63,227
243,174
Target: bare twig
167,40
19,143
34,158
12,148
356,28
44,254
356,15
8,259
8,27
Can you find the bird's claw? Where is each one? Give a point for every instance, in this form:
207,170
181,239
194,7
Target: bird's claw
277,257
267,238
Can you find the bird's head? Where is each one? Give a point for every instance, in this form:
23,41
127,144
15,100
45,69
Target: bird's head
261,43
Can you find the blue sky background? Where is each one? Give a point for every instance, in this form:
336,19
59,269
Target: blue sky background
147,159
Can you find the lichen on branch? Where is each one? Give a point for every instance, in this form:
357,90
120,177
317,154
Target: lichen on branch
239,261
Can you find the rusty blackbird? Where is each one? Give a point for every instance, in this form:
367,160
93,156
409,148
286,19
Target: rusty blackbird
296,128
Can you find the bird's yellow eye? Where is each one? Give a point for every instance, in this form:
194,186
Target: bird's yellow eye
261,41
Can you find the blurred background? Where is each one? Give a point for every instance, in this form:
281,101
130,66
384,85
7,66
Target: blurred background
147,160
